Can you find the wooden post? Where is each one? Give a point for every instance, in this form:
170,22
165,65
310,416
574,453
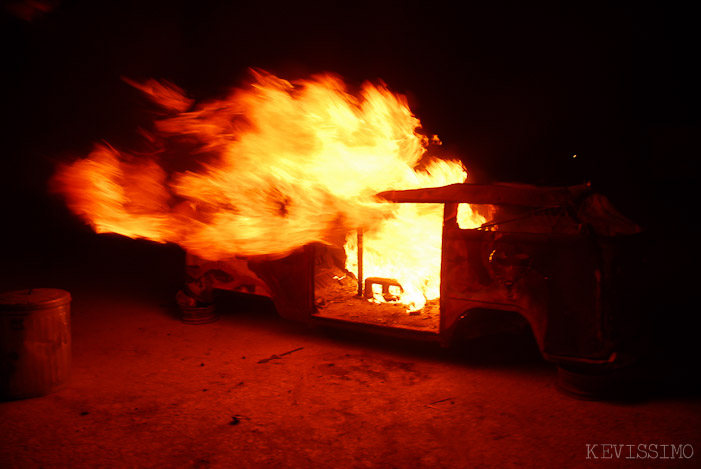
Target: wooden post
360,262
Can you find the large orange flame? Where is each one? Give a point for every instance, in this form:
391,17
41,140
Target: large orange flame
278,165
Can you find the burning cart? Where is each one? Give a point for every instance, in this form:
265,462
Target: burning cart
561,259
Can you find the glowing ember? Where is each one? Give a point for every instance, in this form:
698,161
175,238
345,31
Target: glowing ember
275,166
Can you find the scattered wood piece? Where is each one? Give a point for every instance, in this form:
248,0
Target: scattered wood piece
431,405
277,357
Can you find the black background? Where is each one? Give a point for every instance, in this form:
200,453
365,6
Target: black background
514,89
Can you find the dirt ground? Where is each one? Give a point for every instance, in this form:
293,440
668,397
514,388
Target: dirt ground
148,390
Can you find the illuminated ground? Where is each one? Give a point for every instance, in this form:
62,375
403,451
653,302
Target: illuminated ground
150,391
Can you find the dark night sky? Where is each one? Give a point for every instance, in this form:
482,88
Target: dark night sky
513,89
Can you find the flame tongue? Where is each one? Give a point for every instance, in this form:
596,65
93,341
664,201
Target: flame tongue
293,164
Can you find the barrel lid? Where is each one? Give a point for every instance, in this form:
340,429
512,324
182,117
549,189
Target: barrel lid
33,298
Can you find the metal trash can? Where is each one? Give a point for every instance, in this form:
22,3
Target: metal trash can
35,342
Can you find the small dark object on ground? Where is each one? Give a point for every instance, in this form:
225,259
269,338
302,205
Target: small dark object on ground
276,357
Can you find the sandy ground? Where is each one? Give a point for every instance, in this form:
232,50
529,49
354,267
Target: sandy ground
150,391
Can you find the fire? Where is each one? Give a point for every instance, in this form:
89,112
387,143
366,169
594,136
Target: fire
407,246
272,167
